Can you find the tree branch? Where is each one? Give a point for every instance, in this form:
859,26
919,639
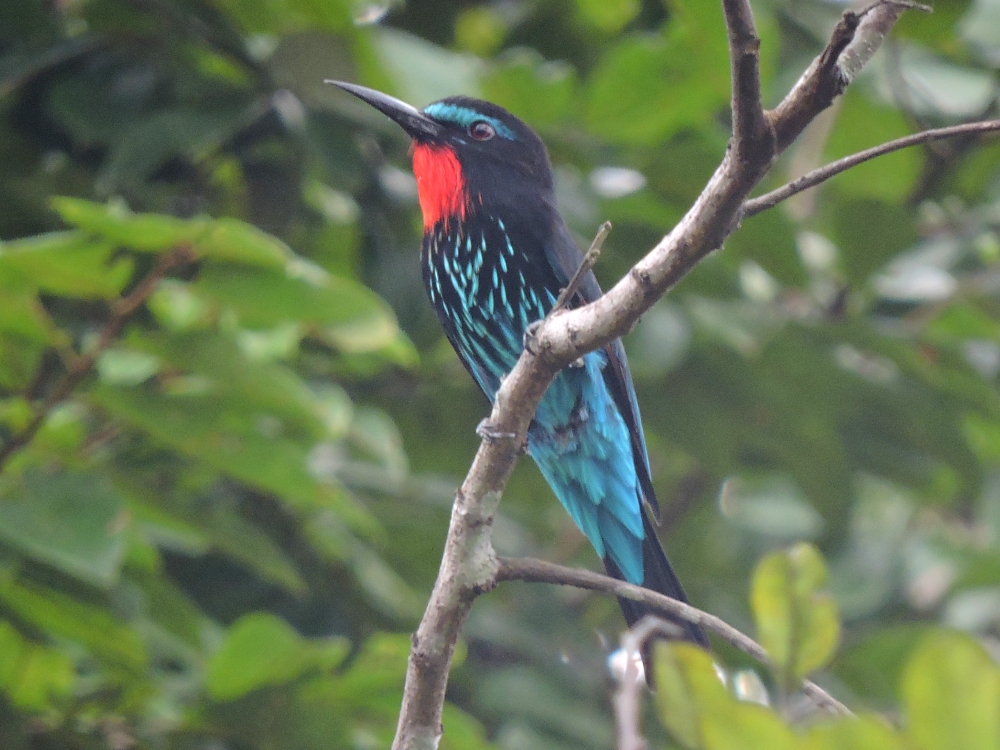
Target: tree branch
469,564
750,128
811,179
875,23
627,704
120,313
854,41
538,571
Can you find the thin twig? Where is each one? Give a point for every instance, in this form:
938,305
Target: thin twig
120,313
539,571
586,265
634,642
753,137
815,177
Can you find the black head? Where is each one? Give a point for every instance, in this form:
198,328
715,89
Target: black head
488,137
497,151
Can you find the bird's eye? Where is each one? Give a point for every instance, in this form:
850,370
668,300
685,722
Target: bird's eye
481,130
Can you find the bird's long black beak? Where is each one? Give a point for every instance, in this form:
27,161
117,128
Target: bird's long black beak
416,124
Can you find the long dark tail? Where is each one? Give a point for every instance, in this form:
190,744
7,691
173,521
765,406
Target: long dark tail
660,577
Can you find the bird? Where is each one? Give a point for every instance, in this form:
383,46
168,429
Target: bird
495,255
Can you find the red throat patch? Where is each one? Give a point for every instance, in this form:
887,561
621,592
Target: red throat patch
440,184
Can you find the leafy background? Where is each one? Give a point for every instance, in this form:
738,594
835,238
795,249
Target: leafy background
223,537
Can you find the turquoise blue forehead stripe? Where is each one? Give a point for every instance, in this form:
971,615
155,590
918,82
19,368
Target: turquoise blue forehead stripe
465,117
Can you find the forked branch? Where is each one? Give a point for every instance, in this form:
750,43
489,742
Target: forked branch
469,566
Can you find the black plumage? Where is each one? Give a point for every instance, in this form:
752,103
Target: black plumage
495,255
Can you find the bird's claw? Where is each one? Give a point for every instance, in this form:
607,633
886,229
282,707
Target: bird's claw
531,338
486,431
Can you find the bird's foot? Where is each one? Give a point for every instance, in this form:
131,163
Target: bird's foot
530,341
487,432
577,363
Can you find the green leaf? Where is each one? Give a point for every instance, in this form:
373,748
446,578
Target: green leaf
199,525
480,30
19,360
964,320
34,677
385,588
217,239
375,433
22,314
769,239
177,307
25,331
261,650
699,712
796,624
607,15
647,88
374,680
63,616
868,232
339,310
69,264
173,613
238,242
215,427
263,388
366,697
285,16
853,733
71,521
984,437
951,694
188,132
247,543
774,506
116,223
688,690
120,366
746,725
861,124
939,29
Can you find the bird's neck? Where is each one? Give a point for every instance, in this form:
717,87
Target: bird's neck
441,185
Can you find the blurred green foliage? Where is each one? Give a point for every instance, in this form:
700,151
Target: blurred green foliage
949,697
221,538
949,688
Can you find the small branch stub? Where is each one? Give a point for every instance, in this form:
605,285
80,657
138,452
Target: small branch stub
586,265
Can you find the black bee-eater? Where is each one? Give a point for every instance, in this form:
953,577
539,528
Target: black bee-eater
495,255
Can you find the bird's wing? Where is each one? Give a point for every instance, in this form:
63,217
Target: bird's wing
565,258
